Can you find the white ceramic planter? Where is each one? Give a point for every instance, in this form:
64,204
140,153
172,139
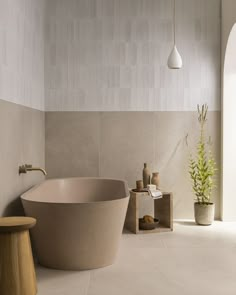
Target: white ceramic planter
204,214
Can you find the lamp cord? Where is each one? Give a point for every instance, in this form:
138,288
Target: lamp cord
174,22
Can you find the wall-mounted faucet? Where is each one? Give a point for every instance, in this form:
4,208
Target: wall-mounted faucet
27,167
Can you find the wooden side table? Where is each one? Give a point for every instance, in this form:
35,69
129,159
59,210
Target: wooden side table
163,210
17,273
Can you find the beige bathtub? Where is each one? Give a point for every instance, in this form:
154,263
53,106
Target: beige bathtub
79,221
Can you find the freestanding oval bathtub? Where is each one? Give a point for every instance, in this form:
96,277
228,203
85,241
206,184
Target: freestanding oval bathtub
79,221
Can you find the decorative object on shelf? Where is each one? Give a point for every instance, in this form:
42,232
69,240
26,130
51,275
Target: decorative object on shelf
202,170
174,60
155,194
148,222
139,185
148,219
155,179
151,187
146,175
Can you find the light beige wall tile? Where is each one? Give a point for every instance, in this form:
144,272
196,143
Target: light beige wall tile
127,44
22,52
22,132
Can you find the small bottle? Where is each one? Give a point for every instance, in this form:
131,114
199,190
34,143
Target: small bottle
146,176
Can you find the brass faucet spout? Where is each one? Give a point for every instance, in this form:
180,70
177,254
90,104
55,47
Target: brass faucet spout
37,169
27,167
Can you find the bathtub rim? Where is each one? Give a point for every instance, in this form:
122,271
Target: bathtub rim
33,188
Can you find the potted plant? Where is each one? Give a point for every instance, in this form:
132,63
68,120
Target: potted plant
202,170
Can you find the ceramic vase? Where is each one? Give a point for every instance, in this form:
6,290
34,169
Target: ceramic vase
146,175
139,185
155,179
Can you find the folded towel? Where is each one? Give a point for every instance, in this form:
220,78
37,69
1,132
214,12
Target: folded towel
155,194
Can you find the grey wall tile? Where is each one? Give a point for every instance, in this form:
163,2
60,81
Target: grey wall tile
126,143
72,144
116,144
22,132
176,136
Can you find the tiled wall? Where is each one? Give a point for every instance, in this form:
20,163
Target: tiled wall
105,55
110,55
228,108
22,129
116,144
22,137
22,52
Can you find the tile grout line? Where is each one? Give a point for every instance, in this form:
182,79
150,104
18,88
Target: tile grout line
89,282
99,144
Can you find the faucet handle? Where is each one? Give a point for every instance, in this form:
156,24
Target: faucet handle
22,169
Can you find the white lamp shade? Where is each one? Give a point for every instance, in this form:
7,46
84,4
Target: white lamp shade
174,60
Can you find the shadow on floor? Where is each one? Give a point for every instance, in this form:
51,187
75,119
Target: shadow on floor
127,232
187,223
44,273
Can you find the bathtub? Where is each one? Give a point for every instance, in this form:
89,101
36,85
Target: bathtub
79,221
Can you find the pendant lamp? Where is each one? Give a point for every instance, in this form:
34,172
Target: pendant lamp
174,60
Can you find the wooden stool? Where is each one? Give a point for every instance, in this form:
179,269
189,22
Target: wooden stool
17,273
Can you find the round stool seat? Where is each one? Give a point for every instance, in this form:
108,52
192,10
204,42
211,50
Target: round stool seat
15,224
17,273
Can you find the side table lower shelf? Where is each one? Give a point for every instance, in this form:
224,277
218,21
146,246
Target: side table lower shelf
163,210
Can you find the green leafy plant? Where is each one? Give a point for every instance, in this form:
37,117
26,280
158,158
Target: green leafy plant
202,167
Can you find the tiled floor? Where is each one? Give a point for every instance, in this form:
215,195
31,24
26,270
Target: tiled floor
192,260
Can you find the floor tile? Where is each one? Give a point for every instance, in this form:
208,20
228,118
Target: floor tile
56,282
191,260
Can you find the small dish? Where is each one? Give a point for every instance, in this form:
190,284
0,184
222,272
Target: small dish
148,226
